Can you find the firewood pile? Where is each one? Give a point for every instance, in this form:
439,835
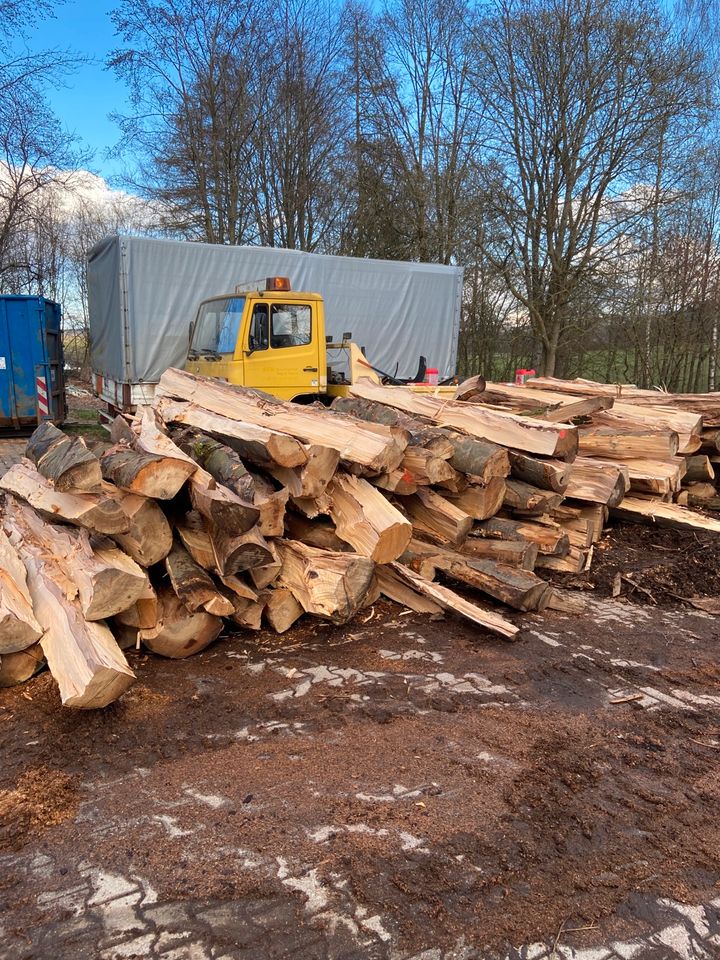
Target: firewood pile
219,505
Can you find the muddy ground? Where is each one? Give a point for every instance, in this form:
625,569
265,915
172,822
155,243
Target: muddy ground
386,789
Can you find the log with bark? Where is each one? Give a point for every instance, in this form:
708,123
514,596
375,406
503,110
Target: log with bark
451,601
221,461
100,512
179,633
545,474
258,444
551,539
21,666
514,553
66,463
511,585
145,474
194,587
236,552
528,499
148,538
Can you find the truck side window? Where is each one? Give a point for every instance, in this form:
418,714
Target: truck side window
290,325
258,336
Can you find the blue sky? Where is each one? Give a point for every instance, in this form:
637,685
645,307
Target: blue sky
84,103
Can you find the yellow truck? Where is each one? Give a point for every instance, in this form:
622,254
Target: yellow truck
144,293
273,339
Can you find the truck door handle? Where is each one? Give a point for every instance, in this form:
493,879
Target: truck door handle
309,369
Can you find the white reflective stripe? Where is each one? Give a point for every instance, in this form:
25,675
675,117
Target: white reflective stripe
42,395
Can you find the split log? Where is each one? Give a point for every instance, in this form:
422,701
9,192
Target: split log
104,579
424,467
698,492
522,496
566,601
83,657
193,585
248,613
272,504
556,407
326,584
178,632
663,515
143,614
514,553
379,449
699,469
223,508
263,576
522,433
396,588
258,444
96,511
574,561
437,517
121,431
545,474
449,600
591,517
619,442
220,461
480,501
317,533
313,476
143,473
282,609
195,537
398,481
18,627
510,585
470,389
655,476
312,507
65,462
236,552
148,538
599,481
20,666
366,519
551,540
238,587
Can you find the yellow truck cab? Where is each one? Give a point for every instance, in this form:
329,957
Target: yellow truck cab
272,339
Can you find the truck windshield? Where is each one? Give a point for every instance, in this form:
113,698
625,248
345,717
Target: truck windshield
217,324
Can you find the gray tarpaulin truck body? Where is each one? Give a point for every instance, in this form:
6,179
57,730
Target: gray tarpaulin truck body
143,294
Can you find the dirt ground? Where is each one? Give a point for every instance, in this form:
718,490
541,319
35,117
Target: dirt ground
384,789
396,788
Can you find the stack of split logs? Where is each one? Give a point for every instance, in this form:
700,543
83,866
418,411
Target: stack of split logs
219,505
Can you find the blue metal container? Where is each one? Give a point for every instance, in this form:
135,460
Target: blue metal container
32,385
